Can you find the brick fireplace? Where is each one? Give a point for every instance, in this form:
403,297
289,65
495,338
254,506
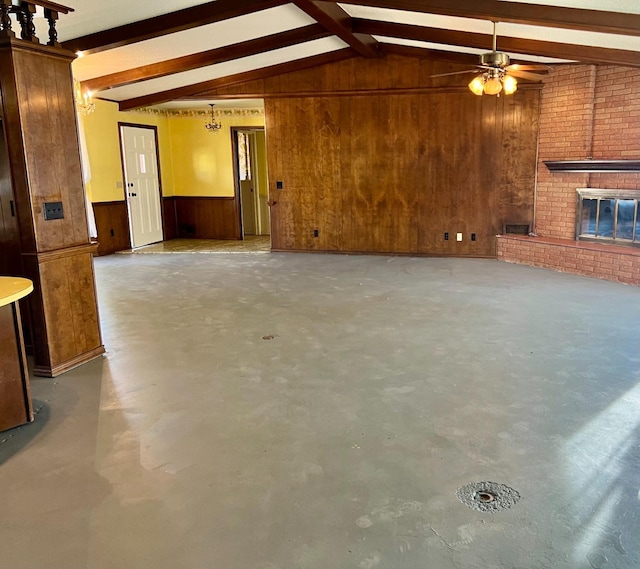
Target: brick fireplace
587,113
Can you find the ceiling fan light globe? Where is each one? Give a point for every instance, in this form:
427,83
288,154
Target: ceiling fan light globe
492,86
477,86
509,84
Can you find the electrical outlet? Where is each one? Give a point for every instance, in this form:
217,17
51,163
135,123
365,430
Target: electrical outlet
458,236
446,236
316,233
279,185
53,210
113,233
473,237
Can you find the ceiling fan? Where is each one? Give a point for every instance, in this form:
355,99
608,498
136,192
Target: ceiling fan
498,74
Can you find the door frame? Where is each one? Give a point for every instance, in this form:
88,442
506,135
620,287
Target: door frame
236,171
124,173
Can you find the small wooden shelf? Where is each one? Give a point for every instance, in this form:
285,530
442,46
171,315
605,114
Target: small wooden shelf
593,165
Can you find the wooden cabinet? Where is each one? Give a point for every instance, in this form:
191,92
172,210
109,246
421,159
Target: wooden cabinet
15,396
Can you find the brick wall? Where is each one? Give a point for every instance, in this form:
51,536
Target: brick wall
587,112
620,264
566,127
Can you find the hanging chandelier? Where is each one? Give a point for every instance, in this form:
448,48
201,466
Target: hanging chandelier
493,82
84,104
212,124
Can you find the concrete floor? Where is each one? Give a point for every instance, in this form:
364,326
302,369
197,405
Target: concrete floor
340,442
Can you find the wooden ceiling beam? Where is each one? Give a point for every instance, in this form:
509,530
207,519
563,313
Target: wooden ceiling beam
157,26
581,53
338,22
205,58
518,13
254,75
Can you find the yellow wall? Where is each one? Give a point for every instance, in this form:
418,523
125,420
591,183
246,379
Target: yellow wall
193,162
202,161
103,147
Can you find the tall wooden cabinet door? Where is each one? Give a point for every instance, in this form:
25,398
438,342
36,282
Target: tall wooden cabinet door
10,262
13,402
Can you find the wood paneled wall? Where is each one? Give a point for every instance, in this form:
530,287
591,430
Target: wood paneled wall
207,217
113,227
377,159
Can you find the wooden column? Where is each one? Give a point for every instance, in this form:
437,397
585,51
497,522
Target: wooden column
43,157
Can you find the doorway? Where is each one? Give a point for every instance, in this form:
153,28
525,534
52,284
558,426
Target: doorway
142,183
250,179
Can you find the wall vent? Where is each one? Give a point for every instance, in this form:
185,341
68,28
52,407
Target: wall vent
516,229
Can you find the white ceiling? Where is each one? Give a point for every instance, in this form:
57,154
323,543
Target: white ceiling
485,27
202,38
456,49
91,16
96,15
210,72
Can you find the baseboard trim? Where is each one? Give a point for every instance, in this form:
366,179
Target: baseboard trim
383,253
46,371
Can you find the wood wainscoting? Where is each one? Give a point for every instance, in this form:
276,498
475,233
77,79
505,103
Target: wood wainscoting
169,217
113,227
207,217
183,216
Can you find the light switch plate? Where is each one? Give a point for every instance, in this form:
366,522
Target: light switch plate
458,236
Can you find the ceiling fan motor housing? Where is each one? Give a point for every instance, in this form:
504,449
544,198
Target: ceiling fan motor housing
494,59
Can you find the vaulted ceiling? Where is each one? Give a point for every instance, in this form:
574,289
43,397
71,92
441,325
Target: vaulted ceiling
143,53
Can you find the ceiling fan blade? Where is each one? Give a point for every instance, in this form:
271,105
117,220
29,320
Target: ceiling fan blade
540,67
456,73
526,75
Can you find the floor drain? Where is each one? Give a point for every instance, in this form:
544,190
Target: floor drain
487,496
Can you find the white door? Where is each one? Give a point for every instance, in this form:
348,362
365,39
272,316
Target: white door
255,220
142,185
